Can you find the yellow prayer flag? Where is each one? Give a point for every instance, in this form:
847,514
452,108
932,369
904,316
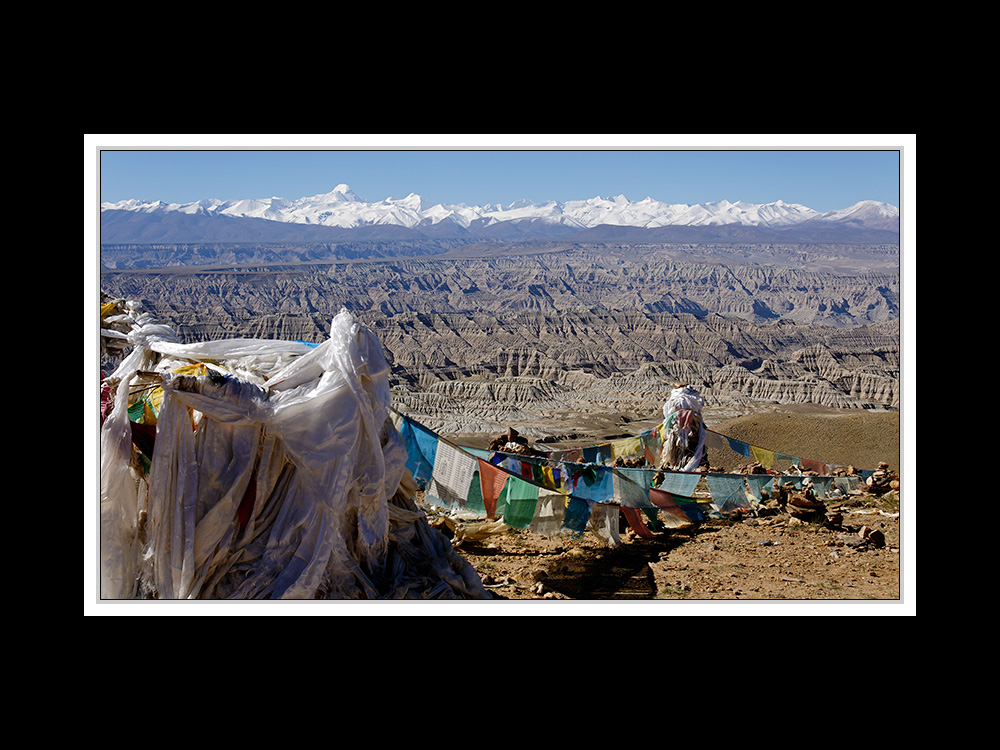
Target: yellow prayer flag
763,456
627,447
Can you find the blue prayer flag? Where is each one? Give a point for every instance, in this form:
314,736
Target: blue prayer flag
679,483
577,515
421,448
728,492
595,483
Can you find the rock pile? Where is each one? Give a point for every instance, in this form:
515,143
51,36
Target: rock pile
804,505
882,480
513,442
630,462
865,538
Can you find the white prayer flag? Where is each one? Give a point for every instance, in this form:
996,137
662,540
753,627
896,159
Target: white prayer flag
452,475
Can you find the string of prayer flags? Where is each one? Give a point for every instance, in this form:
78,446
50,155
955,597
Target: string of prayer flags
765,457
649,445
552,493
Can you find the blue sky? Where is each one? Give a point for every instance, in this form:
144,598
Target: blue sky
823,174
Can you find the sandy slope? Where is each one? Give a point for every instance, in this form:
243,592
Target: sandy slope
863,439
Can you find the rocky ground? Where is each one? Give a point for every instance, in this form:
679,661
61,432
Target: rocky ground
767,557
851,551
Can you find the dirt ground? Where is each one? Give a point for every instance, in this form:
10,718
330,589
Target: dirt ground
766,556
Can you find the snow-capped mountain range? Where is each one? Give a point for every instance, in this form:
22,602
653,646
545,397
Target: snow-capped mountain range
343,209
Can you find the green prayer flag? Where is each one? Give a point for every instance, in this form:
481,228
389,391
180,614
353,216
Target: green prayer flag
474,500
518,501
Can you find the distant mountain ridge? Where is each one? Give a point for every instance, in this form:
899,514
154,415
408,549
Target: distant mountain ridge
341,215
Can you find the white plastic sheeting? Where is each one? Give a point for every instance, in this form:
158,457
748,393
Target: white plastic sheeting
274,475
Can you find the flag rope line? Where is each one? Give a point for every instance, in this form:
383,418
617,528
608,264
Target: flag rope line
465,450
798,461
631,489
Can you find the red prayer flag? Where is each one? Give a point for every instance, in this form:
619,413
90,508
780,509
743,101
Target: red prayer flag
817,466
635,521
661,498
492,480
665,503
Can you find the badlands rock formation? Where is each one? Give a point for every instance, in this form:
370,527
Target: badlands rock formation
558,340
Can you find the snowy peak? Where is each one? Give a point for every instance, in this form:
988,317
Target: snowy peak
342,208
340,194
872,214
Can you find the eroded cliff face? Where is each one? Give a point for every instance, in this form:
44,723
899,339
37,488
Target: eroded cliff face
491,281
571,339
521,372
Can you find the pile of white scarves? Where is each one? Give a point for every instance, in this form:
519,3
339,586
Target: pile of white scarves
275,475
684,439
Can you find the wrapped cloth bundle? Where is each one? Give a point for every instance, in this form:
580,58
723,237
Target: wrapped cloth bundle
684,430
273,473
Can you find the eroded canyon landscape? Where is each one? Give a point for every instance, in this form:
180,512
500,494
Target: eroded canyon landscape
793,347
